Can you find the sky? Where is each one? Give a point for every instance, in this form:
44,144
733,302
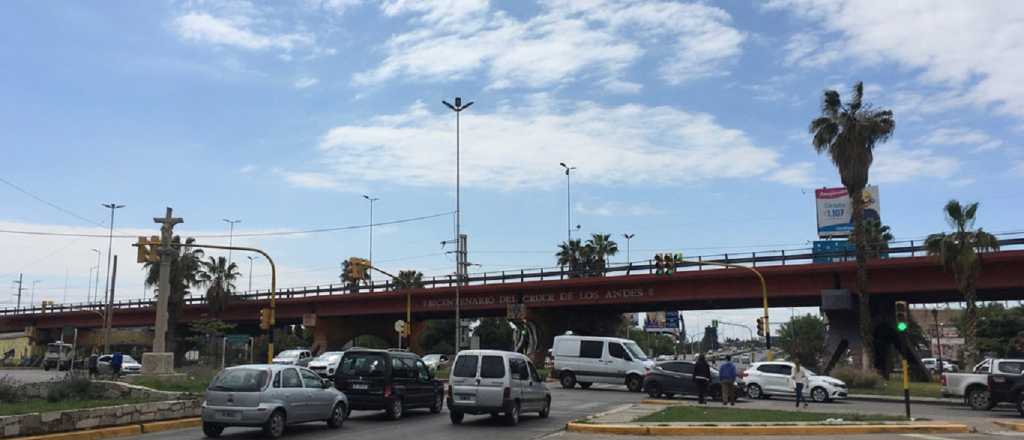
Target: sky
686,122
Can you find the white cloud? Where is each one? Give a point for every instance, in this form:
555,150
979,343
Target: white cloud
807,50
338,7
799,174
310,180
234,31
566,41
513,148
305,82
247,168
960,45
955,136
894,164
616,209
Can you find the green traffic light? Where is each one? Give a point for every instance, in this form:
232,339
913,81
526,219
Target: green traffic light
901,326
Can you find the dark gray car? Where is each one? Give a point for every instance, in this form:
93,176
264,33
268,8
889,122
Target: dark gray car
676,377
270,397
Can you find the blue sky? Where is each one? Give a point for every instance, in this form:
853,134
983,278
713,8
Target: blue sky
686,120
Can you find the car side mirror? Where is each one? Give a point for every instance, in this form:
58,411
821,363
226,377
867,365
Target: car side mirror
326,383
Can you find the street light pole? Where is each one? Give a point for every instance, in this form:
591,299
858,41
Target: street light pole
371,199
110,244
94,292
568,200
32,294
251,259
231,236
460,259
629,261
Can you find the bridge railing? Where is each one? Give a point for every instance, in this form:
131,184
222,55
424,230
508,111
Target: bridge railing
780,257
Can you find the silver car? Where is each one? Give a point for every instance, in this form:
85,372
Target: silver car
496,382
296,356
270,397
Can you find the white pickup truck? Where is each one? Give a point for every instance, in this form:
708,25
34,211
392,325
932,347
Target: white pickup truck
973,386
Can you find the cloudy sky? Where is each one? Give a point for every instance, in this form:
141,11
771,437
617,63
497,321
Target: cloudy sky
686,122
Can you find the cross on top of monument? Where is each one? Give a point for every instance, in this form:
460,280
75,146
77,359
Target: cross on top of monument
168,223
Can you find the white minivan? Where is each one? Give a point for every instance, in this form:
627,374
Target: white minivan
585,360
496,382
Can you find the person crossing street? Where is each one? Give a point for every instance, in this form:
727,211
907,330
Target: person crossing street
702,377
799,382
727,378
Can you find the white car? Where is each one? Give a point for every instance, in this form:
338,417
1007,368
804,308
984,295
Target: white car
327,363
296,357
932,365
766,379
434,361
128,364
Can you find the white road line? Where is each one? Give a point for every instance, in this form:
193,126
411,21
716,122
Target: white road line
926,436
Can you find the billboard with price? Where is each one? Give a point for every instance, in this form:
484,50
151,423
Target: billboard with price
835,210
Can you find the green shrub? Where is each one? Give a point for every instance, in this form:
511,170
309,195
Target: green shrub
856,378
72,387
8,390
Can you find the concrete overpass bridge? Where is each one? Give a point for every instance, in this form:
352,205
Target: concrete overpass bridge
555,302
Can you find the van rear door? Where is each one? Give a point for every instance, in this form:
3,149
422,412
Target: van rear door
463,378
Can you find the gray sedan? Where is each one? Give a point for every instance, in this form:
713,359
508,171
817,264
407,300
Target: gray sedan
270,397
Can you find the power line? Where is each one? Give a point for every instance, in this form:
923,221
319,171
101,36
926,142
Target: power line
50,204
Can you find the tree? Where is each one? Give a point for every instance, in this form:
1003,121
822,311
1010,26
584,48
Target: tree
586,259
959,253
876,238
848,133
352,284
602,247
183,275
803,339
998,329
407,279
494,334
206,338
218,277
570,256
437,336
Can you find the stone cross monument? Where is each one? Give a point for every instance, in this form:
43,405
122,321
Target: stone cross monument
160,361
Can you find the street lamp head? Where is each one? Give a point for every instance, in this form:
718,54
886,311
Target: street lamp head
112,206
457,107
458,101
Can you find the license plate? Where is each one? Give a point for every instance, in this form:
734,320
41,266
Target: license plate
463,397
360,386
230,414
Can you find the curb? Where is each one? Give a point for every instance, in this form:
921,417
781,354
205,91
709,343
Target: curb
1012,426
696,430
119,431
893,399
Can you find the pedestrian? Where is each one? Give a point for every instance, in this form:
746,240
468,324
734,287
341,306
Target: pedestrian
701,377
727,379
94,365
799,380
115,364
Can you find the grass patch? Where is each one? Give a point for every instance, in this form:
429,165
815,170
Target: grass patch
191,384
716,414
895,388
42,405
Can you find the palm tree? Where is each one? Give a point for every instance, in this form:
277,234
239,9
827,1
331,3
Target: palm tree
219,279
183,275
603,247
408,279
586,259
848,133
570,256
958,252
876,238
351,283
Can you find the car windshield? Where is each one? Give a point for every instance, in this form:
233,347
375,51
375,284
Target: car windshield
239,379
363,364
331,356
287,354
635,350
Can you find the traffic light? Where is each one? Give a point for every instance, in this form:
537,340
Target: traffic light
148,249
714,323
659,265
760,327
357,268
266,319
902,317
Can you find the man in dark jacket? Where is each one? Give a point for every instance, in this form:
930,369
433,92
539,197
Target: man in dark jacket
701,377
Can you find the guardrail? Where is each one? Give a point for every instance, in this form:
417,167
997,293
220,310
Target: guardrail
756,259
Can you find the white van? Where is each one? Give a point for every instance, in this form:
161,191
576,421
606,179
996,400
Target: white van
585,360
496,382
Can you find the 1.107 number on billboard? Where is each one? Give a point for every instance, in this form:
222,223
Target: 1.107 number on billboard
835,210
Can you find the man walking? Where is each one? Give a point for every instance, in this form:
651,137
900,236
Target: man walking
116,361
799,380
701,377
727,377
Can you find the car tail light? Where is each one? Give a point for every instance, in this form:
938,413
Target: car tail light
387,390
507,393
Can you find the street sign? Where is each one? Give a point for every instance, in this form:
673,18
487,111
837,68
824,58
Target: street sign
400,327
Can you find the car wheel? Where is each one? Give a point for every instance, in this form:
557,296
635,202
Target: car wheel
669,395
568,380
754,391
818,394
456,417
46,367
979,399
512,415
654,390
1020,404
634,383
438,405
546,411
212,430
585,385
394,410
337,416
274,427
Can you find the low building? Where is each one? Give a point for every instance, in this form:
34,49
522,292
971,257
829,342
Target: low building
14,347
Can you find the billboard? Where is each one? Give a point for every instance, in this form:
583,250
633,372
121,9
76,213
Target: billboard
833,251
835,212
662,322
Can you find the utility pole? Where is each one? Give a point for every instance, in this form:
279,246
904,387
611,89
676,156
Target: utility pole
460,260
371,200
231,237
94,292
568,200
110,242
20,282
938,341
32,294
108,316
629,262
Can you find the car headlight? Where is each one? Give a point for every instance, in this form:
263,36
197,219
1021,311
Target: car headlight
835,383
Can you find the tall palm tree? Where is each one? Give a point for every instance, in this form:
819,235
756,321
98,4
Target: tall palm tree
603,247
183,275
958,252
848,133
570,256
218,277
408,279
876,238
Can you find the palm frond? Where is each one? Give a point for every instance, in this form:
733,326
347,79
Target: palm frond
857,97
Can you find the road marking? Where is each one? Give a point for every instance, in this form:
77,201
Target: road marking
588,405
926,436
1007,433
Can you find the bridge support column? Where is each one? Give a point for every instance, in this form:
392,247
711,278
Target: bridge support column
551,323
844,335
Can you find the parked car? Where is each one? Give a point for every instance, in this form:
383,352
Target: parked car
271,397
584,360
1007,387
766,379
932,365
393,381
298,357
58,355
128,364
327,363
973,386
676,377
434,361
496,382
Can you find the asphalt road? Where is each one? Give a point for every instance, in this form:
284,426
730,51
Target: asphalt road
30,375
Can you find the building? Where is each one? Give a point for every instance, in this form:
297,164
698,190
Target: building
14,347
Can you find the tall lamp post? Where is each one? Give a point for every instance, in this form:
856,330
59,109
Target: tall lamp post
32,294
251,259
460,259
568,199
110,243
628,237
231,236
371,200
94,293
